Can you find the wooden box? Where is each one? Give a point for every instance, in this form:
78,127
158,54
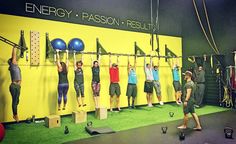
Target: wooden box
101,113
79,116
53,121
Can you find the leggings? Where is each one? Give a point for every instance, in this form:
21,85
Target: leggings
15,93
62,91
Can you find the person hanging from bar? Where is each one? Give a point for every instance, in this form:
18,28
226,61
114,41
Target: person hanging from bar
79,81
176,80
188,102
114,88
200,81
15,86
132,82
148,85
96,81
156,82
63,84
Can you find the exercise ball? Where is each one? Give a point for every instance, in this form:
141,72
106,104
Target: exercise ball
58,44
2,132
76,44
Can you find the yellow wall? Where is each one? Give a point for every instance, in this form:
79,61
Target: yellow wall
39,86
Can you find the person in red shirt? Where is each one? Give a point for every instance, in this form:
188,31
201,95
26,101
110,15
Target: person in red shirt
114,88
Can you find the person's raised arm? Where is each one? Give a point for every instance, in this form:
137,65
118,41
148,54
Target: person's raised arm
91,56
110,60
204,62
13,55
67,59
145,63
128,66
195,63
135,62
117,60
151,63
58,61
75,67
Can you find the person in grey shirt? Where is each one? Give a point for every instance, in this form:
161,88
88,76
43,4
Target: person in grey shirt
200,81
15,85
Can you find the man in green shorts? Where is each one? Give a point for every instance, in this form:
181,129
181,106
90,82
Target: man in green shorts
188,98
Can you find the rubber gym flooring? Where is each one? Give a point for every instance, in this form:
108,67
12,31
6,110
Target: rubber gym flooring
140,125
212,133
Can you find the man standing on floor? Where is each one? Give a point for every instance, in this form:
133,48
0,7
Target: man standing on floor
200,81
114,88
188,98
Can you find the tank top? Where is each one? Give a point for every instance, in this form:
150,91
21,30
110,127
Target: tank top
79,76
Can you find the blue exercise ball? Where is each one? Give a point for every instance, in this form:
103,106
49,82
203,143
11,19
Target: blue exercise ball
76,44
58,44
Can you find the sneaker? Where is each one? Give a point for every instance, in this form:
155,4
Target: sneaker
197,106
161,103
150,105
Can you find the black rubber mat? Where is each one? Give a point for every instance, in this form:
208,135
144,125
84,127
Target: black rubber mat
212,132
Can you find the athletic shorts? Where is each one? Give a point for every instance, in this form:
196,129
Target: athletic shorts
114,89
131,90
177,86
148,87
96,88
189,108
157,87
79,88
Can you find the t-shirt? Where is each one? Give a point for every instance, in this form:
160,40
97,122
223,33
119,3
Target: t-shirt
79,76
63,77
148,73
96,75
114,74
155,74
15,72
175,72
189,85
132,78
200,75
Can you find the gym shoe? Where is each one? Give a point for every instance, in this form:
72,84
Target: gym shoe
150,105
161,103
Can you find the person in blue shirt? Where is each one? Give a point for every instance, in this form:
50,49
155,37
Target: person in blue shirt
176,81
132,83
156,82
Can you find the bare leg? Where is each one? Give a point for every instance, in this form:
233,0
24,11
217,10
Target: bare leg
118,102
95,101
98,101
196,119
184,126
147,96
111,103
176,97
82,99
179,96
78,100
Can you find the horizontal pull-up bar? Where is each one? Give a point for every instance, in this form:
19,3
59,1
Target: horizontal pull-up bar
13,44
120,54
